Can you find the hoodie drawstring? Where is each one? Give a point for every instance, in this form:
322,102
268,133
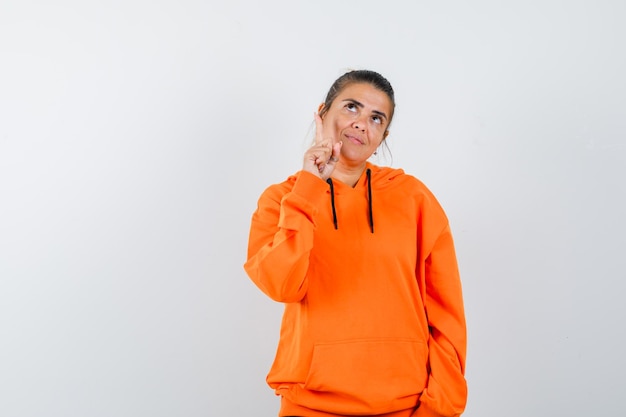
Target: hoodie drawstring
332,200
368,172
369,198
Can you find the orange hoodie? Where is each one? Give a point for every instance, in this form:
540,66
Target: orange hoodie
373,321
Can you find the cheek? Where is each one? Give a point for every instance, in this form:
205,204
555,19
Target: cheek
378,135
339,122
332,126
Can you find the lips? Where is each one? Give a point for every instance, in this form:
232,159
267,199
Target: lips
355,139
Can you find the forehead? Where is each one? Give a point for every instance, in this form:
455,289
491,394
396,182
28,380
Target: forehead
368,95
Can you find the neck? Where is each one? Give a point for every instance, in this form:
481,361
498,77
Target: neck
348,174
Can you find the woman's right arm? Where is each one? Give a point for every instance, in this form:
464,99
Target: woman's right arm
281,237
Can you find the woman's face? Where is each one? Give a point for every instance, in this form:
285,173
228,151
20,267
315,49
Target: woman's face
358,117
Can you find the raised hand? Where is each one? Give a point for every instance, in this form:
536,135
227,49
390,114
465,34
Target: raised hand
321,158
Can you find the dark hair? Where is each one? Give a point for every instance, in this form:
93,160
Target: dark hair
356,77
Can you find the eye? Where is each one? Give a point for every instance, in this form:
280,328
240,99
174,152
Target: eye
377,120
351,107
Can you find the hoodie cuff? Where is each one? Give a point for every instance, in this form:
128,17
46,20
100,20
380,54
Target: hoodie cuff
307,195
309,186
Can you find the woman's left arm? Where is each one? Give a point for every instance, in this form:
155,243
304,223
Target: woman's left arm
446,393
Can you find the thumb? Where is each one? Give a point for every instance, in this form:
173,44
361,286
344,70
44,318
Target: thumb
336,152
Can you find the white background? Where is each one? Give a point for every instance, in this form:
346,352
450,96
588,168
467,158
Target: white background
136,137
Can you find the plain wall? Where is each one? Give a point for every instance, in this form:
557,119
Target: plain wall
136,137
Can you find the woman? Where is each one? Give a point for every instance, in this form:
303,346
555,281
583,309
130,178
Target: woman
363,258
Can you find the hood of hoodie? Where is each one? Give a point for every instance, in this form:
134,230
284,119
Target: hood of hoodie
374,178
381,177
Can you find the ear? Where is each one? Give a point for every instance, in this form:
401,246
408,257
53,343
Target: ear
319,109
385,134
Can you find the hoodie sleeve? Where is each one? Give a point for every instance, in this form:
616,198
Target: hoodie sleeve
446,392
281,238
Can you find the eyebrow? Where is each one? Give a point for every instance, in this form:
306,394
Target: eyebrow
359,104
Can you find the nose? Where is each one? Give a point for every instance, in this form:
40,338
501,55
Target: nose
359,123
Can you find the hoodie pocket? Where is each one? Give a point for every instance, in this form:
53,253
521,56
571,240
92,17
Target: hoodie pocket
372,371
